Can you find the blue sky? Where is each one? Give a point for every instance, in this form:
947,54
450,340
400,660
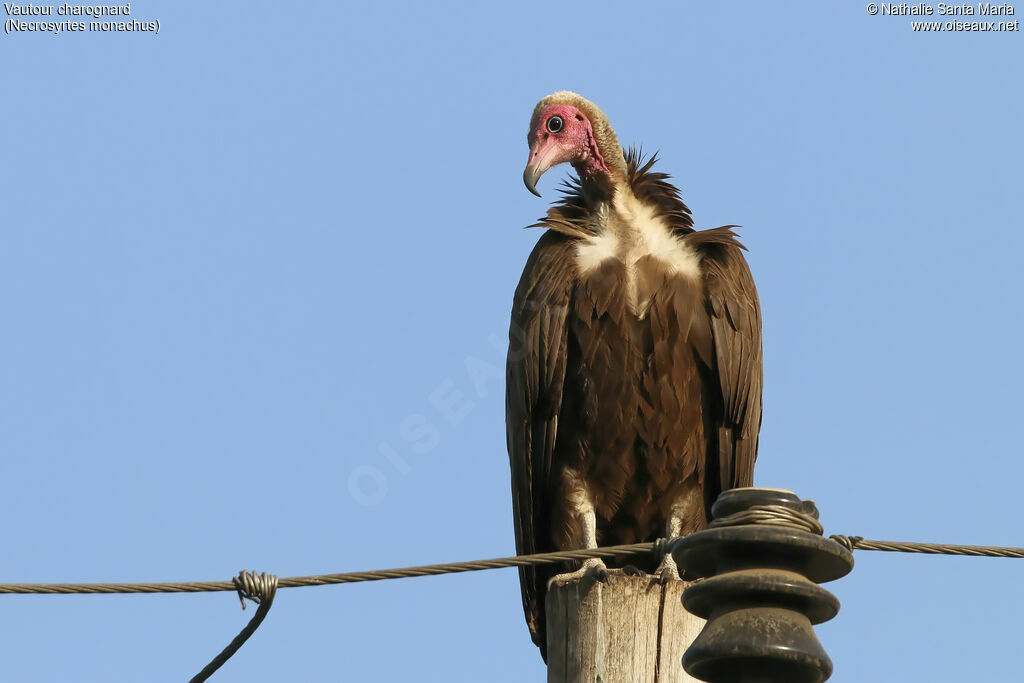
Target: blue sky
255,278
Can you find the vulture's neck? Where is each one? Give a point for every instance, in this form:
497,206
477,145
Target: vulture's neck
603,176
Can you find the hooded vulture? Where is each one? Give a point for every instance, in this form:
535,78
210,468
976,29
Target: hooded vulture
634,367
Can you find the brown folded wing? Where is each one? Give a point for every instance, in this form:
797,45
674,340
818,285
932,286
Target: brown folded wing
535,374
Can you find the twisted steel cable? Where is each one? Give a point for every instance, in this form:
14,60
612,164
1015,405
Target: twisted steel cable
262,588
630,550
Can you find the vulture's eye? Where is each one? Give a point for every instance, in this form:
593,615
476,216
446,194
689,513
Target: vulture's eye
555,124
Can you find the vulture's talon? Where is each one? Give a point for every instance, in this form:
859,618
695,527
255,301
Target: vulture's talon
667,571
593,568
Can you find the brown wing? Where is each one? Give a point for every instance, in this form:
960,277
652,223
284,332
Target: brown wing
534,377
733,352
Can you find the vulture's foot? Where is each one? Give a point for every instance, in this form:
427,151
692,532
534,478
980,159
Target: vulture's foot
593,568
667,570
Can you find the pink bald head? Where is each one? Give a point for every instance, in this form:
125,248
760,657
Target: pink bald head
561,133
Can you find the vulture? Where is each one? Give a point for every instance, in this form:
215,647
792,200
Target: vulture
633,381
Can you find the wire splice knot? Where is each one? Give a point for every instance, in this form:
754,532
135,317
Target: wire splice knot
260,588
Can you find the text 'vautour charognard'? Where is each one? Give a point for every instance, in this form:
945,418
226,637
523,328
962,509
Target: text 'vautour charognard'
68,18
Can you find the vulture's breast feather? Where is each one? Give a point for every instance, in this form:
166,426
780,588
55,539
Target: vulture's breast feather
630,231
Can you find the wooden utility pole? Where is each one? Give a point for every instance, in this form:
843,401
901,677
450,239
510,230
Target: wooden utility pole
629,630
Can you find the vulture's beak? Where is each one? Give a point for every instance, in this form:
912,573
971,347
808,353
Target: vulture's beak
530,177
543,155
